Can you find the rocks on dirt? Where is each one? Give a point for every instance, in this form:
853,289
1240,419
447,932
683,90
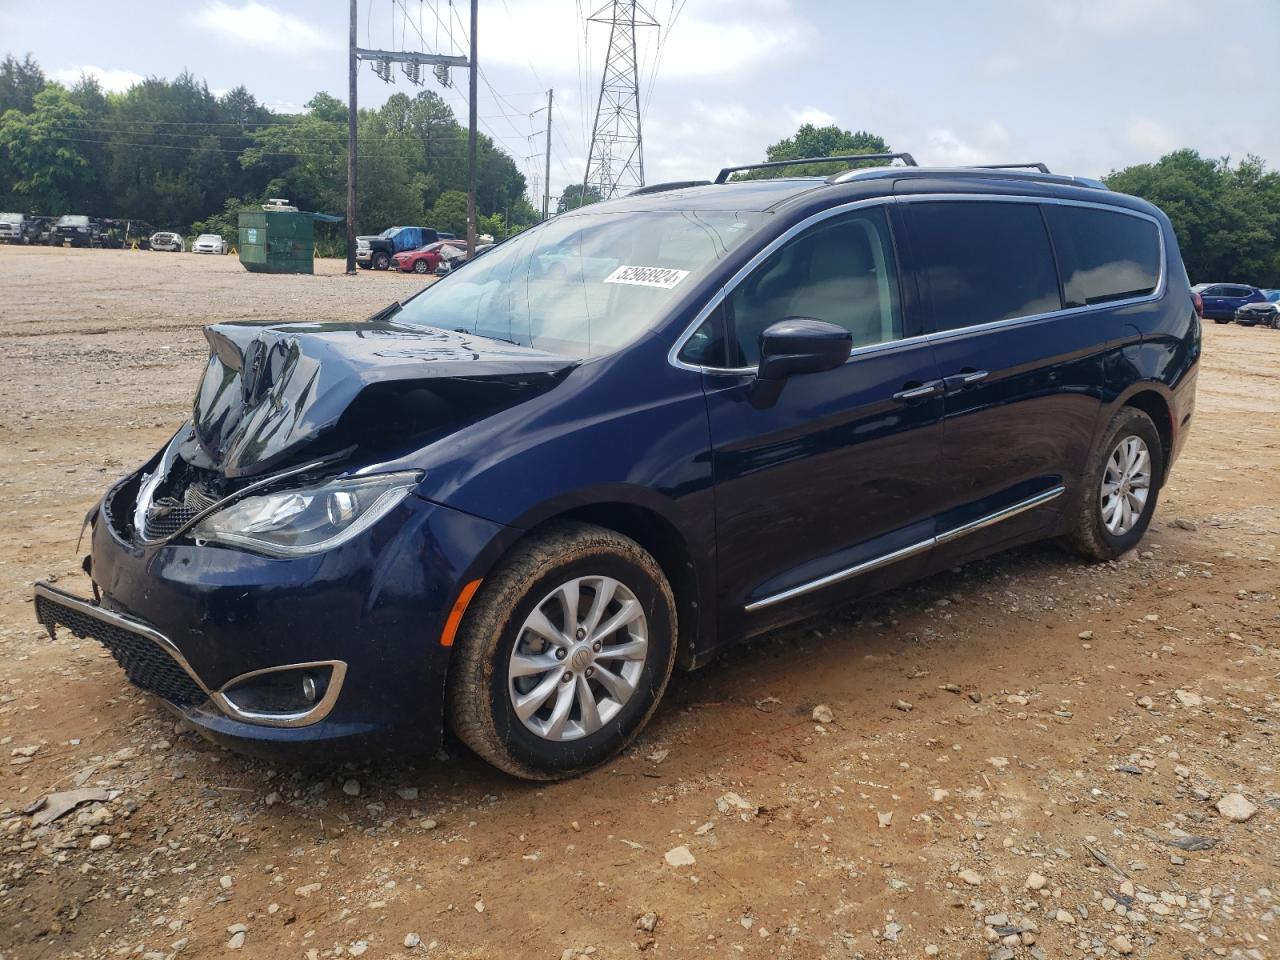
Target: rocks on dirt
1235,807
733,803
679,857
822,714
972,877
1187,698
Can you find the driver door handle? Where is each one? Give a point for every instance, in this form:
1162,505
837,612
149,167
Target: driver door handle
931,389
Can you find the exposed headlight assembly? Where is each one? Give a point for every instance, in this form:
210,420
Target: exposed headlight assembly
307,520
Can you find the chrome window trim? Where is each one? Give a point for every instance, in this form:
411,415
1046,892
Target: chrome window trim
719,296
219,697
910,551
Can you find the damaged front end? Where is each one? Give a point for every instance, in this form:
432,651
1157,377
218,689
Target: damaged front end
288,402
269,573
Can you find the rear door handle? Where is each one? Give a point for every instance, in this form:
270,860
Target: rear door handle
931,389
966,378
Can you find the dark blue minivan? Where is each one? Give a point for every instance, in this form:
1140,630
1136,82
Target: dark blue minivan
631,437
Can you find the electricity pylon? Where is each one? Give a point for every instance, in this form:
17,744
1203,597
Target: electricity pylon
616,161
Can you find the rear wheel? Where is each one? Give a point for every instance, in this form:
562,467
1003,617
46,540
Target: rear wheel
1216,320
1121,487
563,654
420,266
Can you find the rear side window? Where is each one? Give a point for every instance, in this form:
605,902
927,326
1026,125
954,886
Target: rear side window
1103,256
983,261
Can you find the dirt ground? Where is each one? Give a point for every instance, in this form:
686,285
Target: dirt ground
1024,758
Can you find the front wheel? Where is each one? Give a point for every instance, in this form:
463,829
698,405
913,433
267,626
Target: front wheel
1121,487
1217,320
381,261
563,654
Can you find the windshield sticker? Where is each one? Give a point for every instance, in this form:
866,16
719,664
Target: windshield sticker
664,277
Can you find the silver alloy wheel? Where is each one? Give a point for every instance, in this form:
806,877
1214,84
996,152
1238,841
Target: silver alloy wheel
578,658
1126,484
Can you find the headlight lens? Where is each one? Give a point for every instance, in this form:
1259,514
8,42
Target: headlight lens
307,520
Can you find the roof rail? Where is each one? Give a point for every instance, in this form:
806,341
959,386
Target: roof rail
670,185
1014,166
906,158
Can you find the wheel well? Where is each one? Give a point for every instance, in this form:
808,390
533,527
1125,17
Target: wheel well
663,541
1155,406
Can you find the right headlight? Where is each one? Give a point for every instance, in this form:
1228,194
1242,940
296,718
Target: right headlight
307,520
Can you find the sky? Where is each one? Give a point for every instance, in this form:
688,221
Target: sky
1086,86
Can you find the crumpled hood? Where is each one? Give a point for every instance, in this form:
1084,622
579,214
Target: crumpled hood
270,391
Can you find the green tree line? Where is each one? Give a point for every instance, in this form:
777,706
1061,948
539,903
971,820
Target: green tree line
172,154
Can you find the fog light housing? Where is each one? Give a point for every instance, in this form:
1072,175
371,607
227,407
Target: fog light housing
294,695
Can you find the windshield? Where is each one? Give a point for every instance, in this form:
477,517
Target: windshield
582,285
72,220
1272,295
388,233
10,218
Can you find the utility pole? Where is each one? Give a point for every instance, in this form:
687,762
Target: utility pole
411,63
351,144
471,135
616,160
546,180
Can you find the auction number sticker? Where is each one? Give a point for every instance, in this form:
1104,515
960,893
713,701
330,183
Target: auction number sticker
664,277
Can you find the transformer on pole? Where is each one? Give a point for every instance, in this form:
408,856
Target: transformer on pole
616,161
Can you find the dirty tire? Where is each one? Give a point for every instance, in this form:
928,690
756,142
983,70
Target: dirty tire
1089,536
478,704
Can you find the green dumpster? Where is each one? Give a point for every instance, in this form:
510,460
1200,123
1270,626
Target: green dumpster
277,241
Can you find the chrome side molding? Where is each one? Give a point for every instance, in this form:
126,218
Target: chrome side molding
914,549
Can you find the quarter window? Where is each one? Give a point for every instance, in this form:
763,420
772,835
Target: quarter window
1103,256
983,261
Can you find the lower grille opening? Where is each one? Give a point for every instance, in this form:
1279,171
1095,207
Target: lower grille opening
146,664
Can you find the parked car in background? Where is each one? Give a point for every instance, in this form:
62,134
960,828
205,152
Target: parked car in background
168,241
77,230
425,259
41,230
630,437
1222,300
1266,313
208,243
13,228
376,253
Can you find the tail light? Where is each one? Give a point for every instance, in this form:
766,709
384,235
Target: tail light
1199,304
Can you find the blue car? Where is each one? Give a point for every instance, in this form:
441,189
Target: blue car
1222,300
629,438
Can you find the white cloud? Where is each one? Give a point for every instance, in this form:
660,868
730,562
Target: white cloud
256,26
1113,16
115,81
713,41
989,143
1150,137
813,115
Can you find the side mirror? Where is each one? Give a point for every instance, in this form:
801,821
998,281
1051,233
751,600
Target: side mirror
793,346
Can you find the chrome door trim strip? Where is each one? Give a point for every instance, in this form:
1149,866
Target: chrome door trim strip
884,560
719,296
865,567
992,518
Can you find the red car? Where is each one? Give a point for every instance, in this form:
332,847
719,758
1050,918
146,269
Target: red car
425,259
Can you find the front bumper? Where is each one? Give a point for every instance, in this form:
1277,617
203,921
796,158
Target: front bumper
188,622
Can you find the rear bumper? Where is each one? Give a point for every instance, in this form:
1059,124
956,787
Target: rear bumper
189,622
